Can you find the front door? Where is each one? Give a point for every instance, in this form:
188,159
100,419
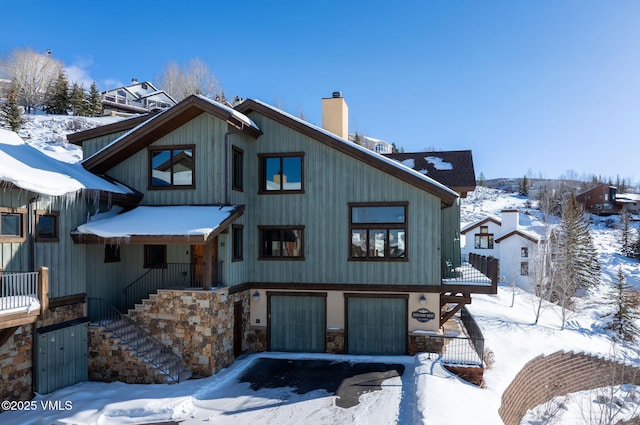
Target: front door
198,264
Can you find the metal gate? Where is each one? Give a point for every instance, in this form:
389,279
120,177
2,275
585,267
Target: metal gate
376,325
297,322
61,356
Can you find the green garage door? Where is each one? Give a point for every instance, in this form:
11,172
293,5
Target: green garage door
376,325
297,323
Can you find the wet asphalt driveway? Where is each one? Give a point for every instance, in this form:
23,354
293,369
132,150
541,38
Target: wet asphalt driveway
348,381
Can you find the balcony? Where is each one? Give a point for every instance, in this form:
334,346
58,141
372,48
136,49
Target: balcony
476,274
24,296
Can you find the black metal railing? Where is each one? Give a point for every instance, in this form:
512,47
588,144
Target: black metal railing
140,341
476,270
169,276
467,350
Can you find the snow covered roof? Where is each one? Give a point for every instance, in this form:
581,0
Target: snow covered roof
30,169
195,224
451,168
380,161
163,123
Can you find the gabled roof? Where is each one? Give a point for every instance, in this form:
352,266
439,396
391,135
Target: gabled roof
28,168
125,125
470,227
527,235
454,169
162,124
387,165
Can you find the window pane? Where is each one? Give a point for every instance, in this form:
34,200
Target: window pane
183,167
396,243
291,243
377,243
271,243
237,169
292,173
281,243
272,173
358,243
11,225
388,214
47,226
237,242
155,255
161,168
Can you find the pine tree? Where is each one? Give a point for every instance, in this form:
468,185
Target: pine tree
626,311
10,115
78,100
627,248
524,186
481,180
95,103
57,98
576,263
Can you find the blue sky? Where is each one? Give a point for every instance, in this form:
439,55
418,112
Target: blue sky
539,87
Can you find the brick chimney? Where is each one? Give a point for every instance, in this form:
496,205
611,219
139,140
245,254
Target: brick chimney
335,115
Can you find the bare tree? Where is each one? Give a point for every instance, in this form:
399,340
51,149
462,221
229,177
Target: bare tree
31,73
195,78
541,274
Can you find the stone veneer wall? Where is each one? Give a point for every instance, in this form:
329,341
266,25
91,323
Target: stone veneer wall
335,342
559,374
16,354
196,324
16,365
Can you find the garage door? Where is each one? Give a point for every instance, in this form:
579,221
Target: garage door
62,356
376,325
297,323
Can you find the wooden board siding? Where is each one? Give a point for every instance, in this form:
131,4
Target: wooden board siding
89,147
207,134
332,181
451,233
66,261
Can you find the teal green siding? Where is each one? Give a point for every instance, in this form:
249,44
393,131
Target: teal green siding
376,326
89,147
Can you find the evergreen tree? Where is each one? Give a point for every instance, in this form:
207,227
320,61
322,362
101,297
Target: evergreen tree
357,139
524,186
57,100
627,248
78,100
481,180
576,263
626,311
94,108
395,149
10,115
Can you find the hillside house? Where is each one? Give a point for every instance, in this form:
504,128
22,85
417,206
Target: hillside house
503,238
136,98
253,230
599,200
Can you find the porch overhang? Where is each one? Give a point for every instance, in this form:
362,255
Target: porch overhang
160,225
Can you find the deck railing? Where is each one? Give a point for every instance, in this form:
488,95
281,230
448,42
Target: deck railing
476,270
465,350
169,276
24,291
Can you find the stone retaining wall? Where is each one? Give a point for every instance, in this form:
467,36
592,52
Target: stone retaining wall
16,364
559,374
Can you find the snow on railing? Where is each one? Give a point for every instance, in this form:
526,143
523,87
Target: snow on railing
19,292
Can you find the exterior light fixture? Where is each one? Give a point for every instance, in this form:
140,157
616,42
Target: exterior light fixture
256,296
423,299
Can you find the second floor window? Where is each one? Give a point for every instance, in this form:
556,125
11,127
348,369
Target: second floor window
237,167
46,227
171,168
282,173
281,242
378,231
524,252
11,226
484,239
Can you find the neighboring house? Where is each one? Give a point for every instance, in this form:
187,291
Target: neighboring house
137,98
42,272
376,145
451,168
600,200
628,202
505,239
258,231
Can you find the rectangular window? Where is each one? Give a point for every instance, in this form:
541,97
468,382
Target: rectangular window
111,253
171,168
282,173
237,167
484,239
524,252
155,256
237,231
12,225
46,226
524,268
378,231
281,242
